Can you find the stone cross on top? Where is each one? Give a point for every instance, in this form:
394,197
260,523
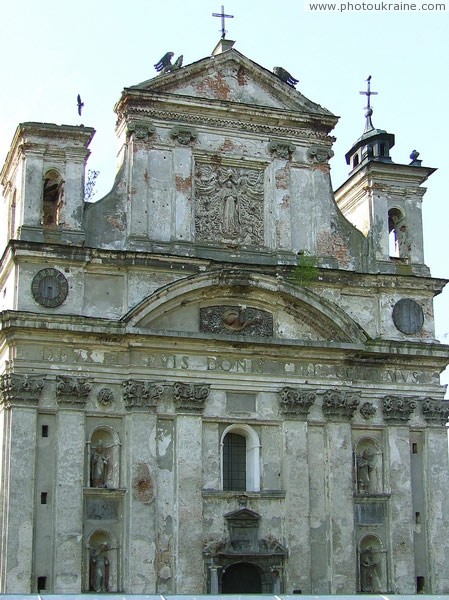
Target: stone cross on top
223,17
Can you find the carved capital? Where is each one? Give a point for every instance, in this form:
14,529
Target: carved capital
397,409
340,404
319,154
367,410
20,390
294,402
190,397
281,149
183,134
141,130
141,395
435,411
72,390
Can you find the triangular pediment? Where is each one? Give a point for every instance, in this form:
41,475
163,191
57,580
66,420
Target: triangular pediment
231,76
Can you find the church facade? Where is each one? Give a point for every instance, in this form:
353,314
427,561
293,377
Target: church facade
221,377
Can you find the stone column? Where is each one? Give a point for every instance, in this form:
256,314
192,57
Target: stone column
318,511
294,404
142,530
338,408
189,401
343,559
436,470
19,397
19,430
401,557
69,479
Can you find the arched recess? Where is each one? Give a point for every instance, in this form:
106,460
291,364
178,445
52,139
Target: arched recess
252,462
243,578
368,465
268,293
101,562
103,460
52,198
372,565
398,235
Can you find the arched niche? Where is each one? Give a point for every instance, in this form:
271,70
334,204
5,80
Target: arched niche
102,561
53,191
252,456
372,565
368,467
104,458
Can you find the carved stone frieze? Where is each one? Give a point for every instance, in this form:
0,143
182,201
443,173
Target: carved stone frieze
183,134
105,397
24,390
141,395
229,205
233,320
340,403
294,402
281,149
141,130
367,410
259,127
319,154
397,409
435,411
190,397
72,390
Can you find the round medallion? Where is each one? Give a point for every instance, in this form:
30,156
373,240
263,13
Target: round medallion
49,287
408,316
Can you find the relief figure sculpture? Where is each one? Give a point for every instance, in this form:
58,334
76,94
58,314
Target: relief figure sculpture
370,567
366,463
99,467
99,569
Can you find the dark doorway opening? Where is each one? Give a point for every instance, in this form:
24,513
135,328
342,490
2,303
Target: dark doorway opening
241,578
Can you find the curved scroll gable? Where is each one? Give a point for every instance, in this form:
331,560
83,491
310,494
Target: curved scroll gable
236,302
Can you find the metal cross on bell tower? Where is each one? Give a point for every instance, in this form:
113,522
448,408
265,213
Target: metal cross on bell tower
223,16
369,111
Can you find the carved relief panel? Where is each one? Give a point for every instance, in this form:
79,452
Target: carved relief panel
229,204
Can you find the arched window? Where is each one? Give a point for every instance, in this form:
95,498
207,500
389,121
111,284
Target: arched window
240,459
397,229
52,198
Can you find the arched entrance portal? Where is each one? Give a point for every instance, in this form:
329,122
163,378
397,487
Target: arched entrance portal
241,578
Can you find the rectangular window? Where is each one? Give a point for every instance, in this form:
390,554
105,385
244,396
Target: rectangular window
44,431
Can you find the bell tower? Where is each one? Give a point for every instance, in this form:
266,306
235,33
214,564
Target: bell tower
43,181
383,199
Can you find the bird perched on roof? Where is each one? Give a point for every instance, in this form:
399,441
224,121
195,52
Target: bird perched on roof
285,76
164,65
80,104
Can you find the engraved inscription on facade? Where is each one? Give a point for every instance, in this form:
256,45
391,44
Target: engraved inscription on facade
235,320
229,204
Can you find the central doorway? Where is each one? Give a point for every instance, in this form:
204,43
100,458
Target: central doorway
241,578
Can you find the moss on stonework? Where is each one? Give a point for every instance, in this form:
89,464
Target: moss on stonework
306,271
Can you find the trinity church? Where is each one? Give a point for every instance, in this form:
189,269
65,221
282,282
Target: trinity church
223,376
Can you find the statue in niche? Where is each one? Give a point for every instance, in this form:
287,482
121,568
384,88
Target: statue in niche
229,197
366,463
99,464
370,571
99,569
